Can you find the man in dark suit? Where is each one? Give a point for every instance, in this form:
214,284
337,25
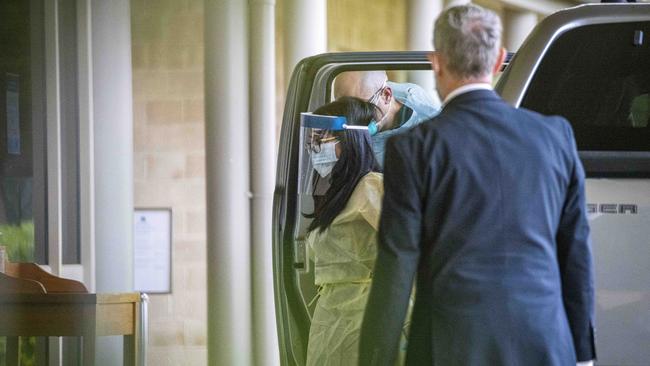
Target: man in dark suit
486,204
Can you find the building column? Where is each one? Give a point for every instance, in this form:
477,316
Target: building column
305,31
263,155
422,14
450,3
517,25
227,182
113,149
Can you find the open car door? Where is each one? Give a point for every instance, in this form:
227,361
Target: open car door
311,87
585,63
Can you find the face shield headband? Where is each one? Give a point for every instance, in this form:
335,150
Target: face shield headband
322,153
332,123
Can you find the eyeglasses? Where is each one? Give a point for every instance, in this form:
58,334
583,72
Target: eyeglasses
314,144
375,97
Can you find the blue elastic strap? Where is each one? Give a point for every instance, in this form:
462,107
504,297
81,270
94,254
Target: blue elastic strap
333,123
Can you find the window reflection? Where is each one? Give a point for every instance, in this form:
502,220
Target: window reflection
640,111
22,132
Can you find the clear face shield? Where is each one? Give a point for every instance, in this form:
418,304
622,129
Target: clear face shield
318,154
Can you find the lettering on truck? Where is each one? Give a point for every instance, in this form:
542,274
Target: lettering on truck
612,208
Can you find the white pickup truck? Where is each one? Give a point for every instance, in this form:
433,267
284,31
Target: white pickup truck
590,64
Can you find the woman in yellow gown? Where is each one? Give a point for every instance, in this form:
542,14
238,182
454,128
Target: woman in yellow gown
342,237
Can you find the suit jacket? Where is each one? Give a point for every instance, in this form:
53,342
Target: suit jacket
485,205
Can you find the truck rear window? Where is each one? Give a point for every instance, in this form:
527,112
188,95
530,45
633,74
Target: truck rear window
598,77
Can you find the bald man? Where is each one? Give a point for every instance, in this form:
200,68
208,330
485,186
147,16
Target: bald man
403,105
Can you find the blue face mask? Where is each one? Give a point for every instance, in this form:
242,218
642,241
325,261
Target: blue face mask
373,126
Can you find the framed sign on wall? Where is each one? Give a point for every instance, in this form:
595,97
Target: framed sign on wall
152,250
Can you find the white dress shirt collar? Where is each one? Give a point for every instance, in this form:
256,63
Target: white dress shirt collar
465,89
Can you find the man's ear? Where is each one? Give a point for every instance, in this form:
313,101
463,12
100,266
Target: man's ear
435,62
387,94
500,59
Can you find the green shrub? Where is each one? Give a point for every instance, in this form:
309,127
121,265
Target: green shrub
19,240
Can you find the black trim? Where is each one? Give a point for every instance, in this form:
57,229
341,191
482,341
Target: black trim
616,164
287,311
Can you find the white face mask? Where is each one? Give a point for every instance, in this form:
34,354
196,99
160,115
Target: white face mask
324,160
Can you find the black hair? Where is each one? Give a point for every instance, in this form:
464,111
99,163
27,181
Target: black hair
355,161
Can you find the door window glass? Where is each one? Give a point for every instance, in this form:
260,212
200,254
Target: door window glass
414,90
597,76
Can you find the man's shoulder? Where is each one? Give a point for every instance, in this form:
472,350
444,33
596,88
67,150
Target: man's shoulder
416,137
555,123
435,125
536,115
446,125
402,142
505,110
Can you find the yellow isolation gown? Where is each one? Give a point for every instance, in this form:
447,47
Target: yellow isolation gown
344,256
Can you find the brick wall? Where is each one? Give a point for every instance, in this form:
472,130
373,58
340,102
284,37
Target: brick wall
169,165
382,26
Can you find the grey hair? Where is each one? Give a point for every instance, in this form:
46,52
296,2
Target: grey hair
469,36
